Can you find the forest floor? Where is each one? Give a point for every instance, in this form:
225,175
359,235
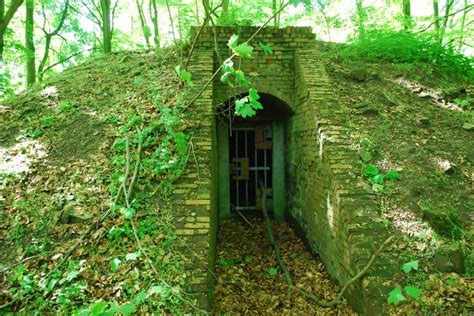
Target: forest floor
249,280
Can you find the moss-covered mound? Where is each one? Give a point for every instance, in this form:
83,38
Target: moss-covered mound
414,124
64,155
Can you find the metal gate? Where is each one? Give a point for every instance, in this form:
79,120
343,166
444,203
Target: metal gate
250,153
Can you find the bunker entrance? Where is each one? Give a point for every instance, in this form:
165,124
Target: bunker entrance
252,151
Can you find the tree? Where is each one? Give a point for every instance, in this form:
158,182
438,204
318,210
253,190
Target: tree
447,8
360,19
49,36
103,15
436,18
5,19
29,43
145,28
406,8
154,19
106,25
463,24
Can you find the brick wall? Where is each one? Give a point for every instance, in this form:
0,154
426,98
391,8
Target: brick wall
327,199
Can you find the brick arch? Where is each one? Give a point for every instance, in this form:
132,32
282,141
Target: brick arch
273,106
282,97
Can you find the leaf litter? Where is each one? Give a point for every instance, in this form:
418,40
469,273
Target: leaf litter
249,280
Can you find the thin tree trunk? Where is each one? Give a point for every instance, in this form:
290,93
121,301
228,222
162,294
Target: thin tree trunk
154,19
197,11
5,18
171,20
29,43
106,26
463,24
48,38
436,18
360,19
407,21
207,8
225,8
274,10
449,4
141,15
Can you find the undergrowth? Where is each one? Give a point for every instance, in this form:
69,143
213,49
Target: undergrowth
109,272
402,47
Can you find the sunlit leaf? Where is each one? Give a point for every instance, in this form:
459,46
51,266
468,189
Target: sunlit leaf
232,43
272,271
115,264
243,50
369,171
413,292
412,265
395,296
267,50
132,256
392,175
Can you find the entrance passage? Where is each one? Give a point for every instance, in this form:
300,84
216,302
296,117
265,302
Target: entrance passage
250,152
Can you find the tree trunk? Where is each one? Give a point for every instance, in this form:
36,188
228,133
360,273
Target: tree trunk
171,20
436,18
360,19
449,4
274,10
154,19
5,19
106,26
463,24
29,43
141,15
407,21
225,8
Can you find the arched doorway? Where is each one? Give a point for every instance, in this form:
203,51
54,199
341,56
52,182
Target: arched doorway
250,151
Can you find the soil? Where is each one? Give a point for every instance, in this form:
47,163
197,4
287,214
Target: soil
245,272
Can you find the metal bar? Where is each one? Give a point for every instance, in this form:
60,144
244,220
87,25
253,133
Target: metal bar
256,172
265,165
237,155
246,182
243,129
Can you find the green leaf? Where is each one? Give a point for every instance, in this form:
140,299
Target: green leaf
267,50
272,271
243,108
412,265
115,264
98,308
140,298
370,170
128,308
240,79
132,256
395,296
232,43
243,50
377,187
377,179
157,289
128,213
392,175
184,75
226,262
413,291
